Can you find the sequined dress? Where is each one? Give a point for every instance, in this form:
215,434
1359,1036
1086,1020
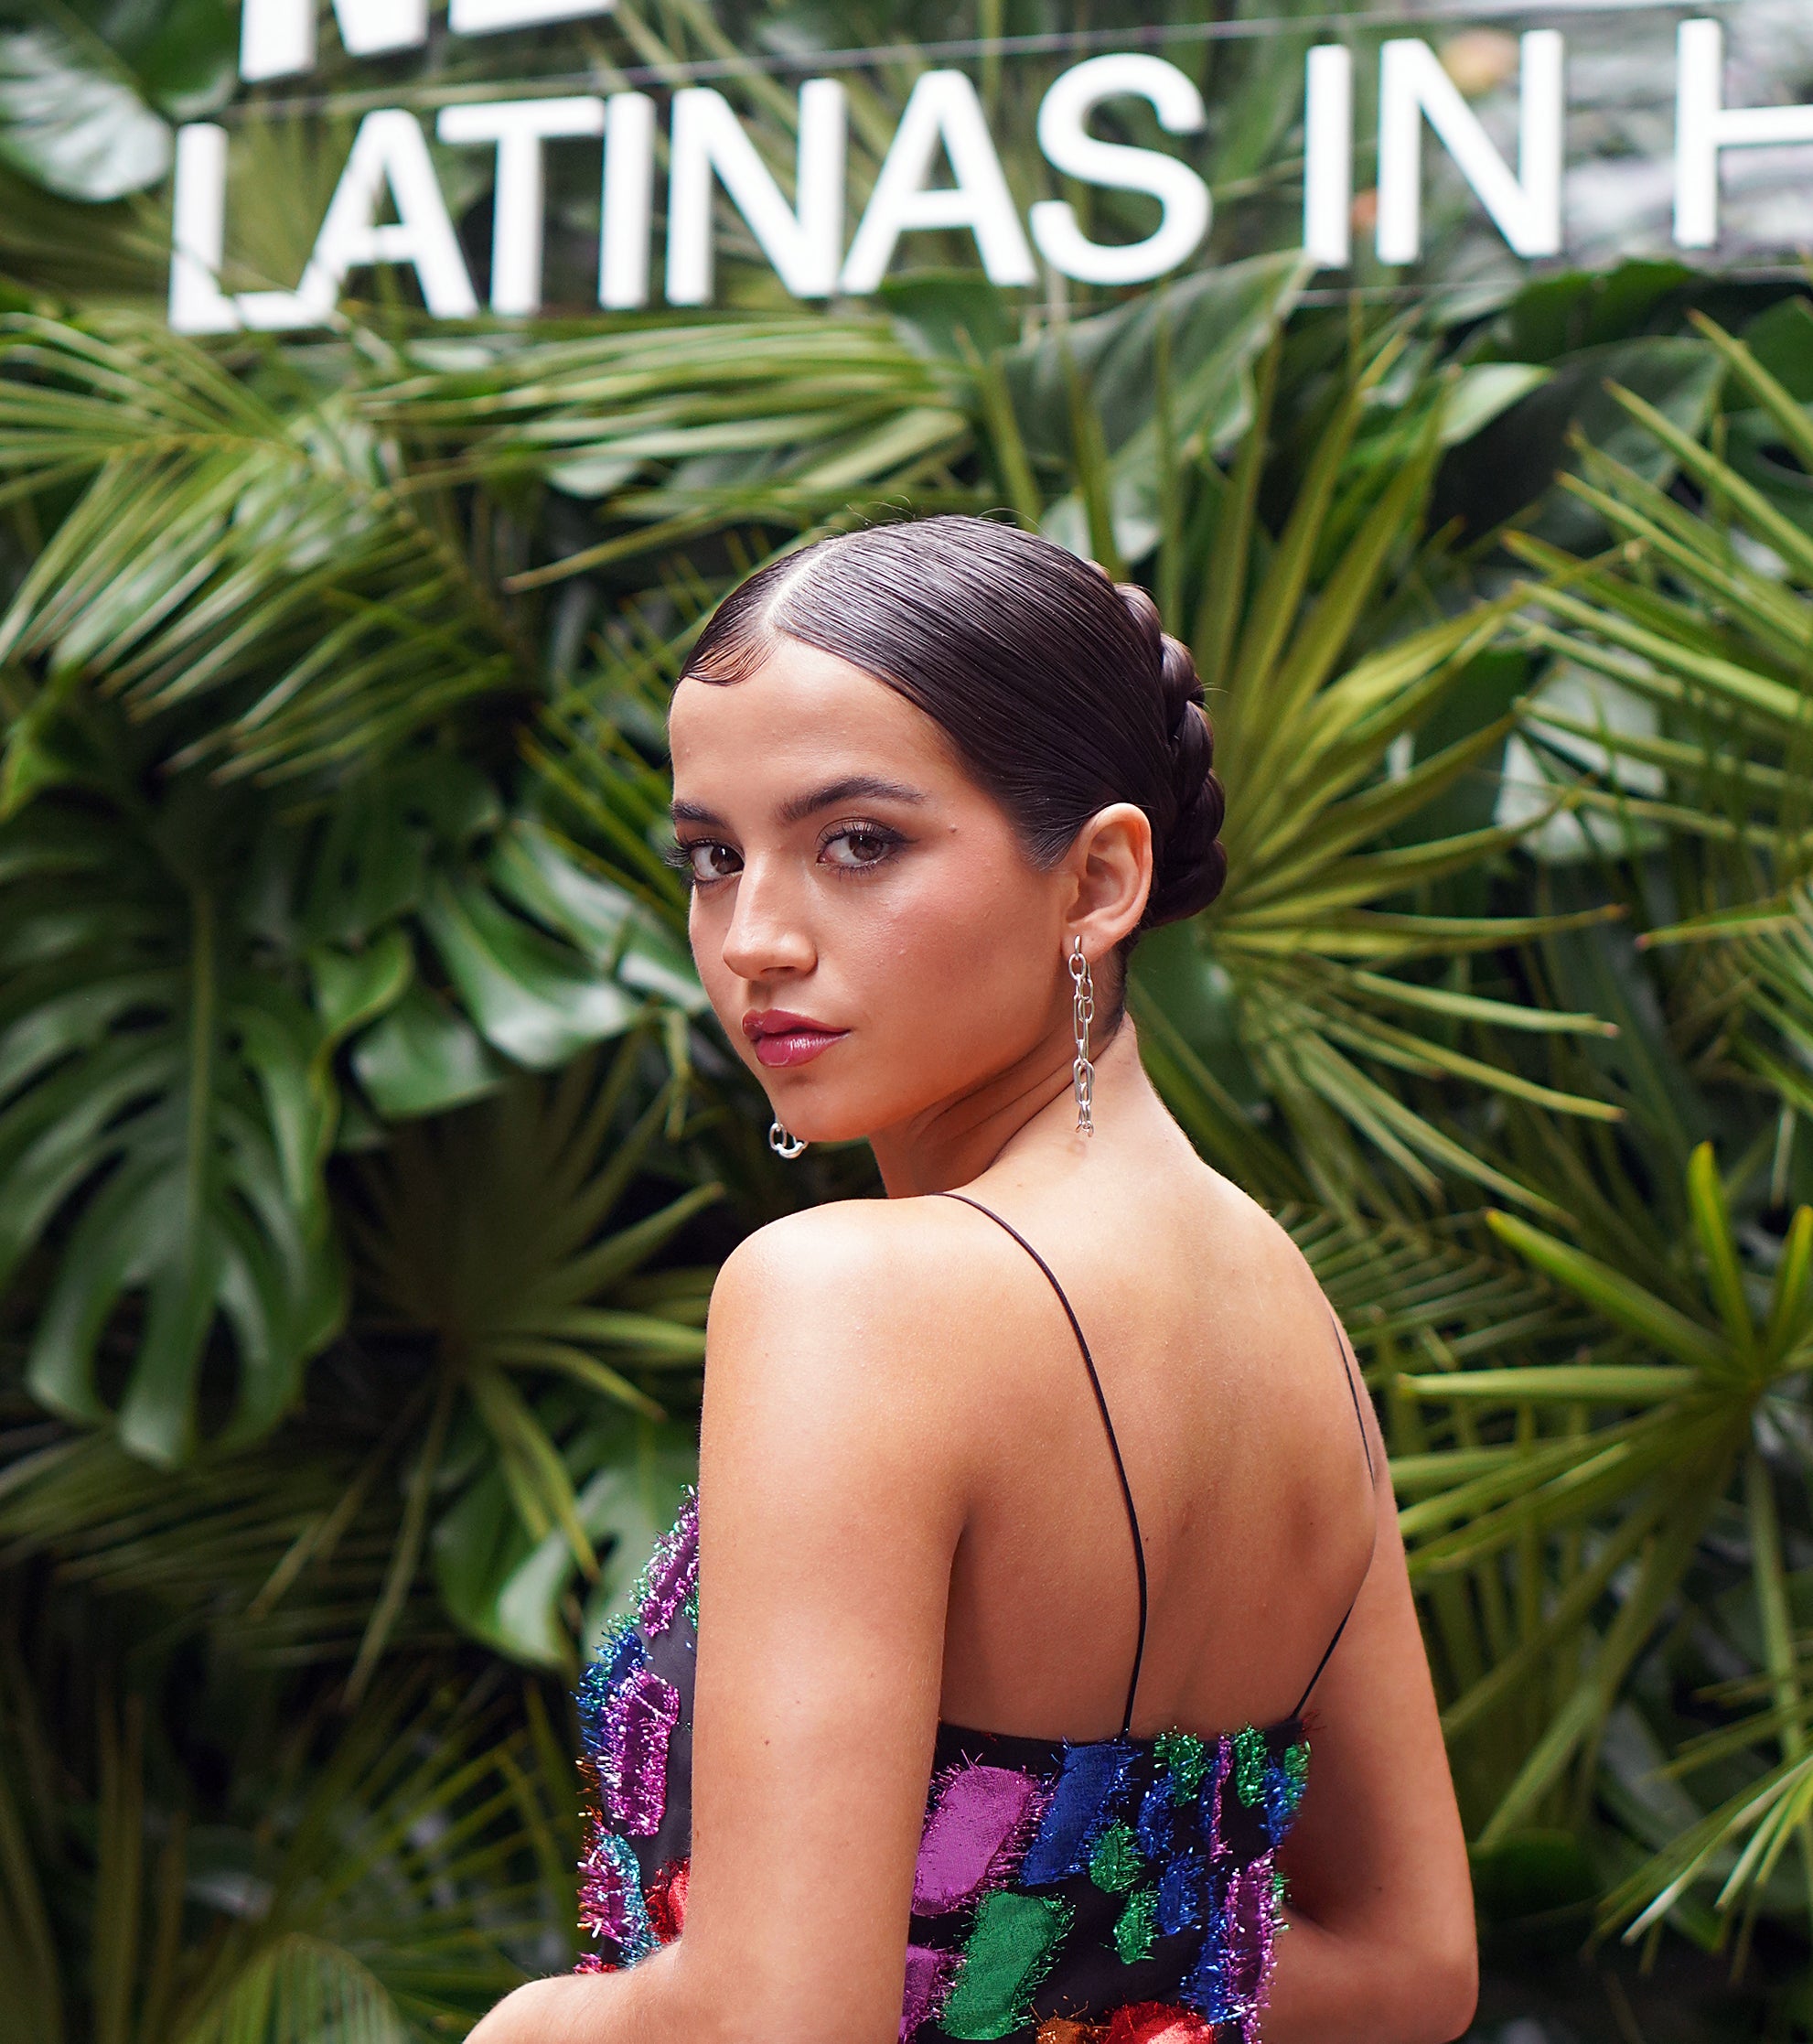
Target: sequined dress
1108,1891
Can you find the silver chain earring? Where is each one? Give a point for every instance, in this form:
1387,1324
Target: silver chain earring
1082,1013
784,1144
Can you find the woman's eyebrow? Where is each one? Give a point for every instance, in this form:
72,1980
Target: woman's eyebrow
852,787
693,813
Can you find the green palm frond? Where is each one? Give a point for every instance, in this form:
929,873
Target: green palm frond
256,575
1705,612
28,1960
1639,1440
303,1990
290,577
1394,1285
1332,890
673,431
286,1549
413,1863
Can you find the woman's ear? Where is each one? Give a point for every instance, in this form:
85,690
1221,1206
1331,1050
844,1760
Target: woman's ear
1111,863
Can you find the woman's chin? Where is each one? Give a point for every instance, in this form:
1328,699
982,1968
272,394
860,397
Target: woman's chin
821,1128
822,1120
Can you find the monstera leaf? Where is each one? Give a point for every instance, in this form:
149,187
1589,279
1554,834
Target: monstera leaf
74,122
180,964
165,1110
512,1590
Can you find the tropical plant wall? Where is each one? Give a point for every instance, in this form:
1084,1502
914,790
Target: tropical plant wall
366,1152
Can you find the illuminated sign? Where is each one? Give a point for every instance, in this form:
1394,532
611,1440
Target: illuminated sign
277,36
940,171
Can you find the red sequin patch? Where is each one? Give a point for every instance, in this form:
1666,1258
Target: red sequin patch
1154,2022
666,1899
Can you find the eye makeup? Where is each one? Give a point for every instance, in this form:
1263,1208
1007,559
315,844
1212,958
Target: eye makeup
867,846
855,845
689,857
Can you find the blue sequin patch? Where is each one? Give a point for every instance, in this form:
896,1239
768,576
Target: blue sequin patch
1093,1781
620,1652
1158,1819
1180,1886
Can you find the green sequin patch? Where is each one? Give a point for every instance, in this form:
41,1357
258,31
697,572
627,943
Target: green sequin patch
1296,1766
1250,1759
1005,1956
1184,1758
1137,1927
1117,1862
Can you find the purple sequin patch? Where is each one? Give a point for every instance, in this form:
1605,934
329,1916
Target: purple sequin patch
974,1836
1212,1789
927,1984
639,1721
672,1572
1252,1924
620,1650
610,1896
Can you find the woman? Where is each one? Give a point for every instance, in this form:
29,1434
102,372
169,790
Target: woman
1027,1493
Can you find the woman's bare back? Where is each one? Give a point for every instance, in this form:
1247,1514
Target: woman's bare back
1229,1394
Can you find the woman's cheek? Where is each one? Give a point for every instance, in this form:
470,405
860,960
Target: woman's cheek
952,968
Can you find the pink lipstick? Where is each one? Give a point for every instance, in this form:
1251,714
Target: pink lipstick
783,1038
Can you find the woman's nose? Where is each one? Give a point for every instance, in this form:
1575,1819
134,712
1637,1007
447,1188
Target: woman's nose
766,934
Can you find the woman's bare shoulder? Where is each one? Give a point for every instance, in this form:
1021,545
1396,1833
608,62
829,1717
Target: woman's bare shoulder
891,1256
1240,1233
859,1296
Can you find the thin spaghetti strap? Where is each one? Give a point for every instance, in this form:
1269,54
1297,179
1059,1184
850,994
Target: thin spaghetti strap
1372,1479
1352,1393
1108,1424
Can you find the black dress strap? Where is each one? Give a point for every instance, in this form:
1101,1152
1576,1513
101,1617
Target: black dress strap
1108,1424
1372,1479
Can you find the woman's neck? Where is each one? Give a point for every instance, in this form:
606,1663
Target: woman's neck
1028,1110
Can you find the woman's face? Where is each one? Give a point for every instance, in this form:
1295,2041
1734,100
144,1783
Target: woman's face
873,937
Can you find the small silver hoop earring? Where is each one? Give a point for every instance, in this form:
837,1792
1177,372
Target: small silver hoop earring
1082,1013
784,1144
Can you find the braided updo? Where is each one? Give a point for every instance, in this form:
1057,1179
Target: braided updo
1188,872
1060,690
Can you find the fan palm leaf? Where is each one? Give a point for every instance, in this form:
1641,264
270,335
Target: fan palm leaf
392,1887
488,1233
1640,1440
1311,935
253,572
219,528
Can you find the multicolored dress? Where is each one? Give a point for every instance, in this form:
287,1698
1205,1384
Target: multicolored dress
1108,1891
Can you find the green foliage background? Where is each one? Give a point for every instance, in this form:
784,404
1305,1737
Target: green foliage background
365,1155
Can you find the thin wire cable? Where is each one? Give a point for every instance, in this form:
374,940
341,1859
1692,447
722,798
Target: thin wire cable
1053,43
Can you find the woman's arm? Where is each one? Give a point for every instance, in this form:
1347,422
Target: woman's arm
1380,1948
821,1652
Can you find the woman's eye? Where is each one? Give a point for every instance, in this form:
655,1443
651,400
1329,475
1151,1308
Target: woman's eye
857,848
709,861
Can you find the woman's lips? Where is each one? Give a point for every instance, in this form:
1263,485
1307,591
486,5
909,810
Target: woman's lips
780,1038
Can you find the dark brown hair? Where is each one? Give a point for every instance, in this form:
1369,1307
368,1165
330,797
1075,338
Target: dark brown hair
1059,689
